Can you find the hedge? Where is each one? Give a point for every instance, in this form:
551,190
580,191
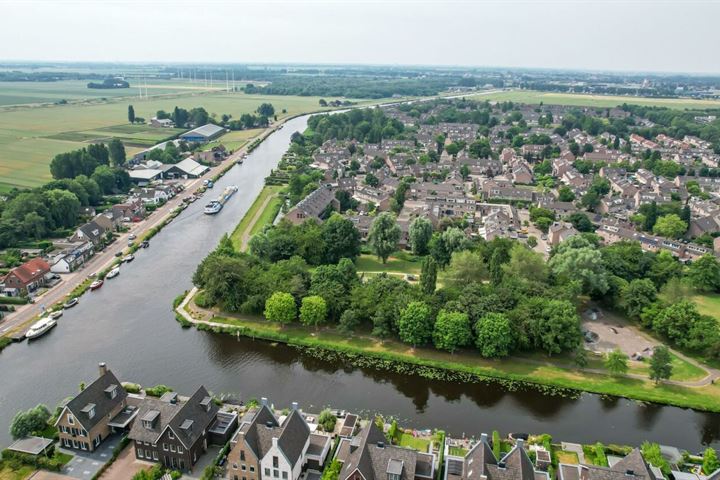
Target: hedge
13,300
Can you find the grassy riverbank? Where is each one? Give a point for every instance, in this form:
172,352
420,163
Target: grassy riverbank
465,366
266,205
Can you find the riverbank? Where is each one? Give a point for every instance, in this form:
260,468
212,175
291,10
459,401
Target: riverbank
467,367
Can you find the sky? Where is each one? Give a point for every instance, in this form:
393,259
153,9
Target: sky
636,35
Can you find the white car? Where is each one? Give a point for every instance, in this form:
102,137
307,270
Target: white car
132,236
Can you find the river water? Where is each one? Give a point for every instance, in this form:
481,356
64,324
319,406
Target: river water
130,325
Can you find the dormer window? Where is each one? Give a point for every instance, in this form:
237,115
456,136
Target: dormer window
71,419
111,391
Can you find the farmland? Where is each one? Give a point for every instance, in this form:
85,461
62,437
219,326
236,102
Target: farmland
31,135
583,100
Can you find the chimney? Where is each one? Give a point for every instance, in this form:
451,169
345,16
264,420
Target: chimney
263,401
102,368
294,405
381,444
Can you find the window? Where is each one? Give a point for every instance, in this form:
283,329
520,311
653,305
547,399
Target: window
243,467
171,435
165,447
242,455
235,477
275,462
234,466
83,432
276,474
155,455
284,475
172,448
267,472
71,419
140,453
147,454
180,450
252,469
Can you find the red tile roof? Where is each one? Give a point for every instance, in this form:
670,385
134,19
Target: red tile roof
31,270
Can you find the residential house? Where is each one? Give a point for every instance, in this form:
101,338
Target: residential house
93,414
70,259
368,456
89,232
632,467
161,122
173,430
480,463
314,205
27,277
559,232
270,448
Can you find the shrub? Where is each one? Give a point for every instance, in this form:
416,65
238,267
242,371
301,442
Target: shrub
158,390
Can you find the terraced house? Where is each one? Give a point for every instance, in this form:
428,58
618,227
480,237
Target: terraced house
88,419
173,430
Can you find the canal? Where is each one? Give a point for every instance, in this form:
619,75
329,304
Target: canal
129,324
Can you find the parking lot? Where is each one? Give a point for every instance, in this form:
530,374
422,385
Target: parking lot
610,332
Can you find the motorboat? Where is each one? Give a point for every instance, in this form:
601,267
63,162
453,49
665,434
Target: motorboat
96,284
128,258
113,273
213,207
71,303
56,314
40,328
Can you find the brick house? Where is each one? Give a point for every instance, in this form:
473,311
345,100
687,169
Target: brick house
172,430
86,420
28,277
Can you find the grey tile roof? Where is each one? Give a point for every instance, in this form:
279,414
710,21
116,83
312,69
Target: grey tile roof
95,394
291,435
189,413
633,462
474,464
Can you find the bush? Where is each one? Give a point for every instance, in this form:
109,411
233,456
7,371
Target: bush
131,387
158,390
13,300
52,463
327,420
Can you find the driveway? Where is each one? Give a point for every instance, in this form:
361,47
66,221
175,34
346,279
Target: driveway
126,465
86,464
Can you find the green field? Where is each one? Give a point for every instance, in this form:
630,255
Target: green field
268,215
31,136
403,263
22,93
708,304
583,100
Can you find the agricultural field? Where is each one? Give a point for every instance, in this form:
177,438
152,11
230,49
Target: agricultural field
584,100
31,136
23,93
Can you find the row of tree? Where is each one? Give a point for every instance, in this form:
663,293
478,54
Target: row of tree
84,161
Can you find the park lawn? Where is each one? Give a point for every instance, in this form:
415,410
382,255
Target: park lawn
681,370
513,369
396,264
708,304
419,444
7,473
30,136
237,235
586,100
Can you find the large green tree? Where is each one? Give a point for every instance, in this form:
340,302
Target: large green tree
616,362
415,325
313,310
30,421
637,295
420,233
465,267
452,331
428,275
341,239
660,364
117,152
704,274
494,335
670,226
384,235
281,308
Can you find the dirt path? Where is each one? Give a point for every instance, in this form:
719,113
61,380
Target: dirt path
246,234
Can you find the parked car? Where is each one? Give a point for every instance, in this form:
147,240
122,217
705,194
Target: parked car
145,244
119,254
132,236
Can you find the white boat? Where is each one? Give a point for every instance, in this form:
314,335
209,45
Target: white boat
41,327
128,258
56,314
113,273
213,207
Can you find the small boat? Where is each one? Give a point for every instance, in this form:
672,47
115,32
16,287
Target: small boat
210,184
56,314
113,273
213,207
96,284
145,244
128,258
71,303
41,327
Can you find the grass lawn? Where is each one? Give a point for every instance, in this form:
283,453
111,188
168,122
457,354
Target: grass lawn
238,139
398,263
457,451
6,473
546,373
708,304
567,457
265,218
420,444
585,100
681,370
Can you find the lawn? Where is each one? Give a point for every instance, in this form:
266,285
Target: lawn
708,304
515,369
419,444
457,451
6,473
399,264
238,139
267,216
31,135
567,457
681,370
584,100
